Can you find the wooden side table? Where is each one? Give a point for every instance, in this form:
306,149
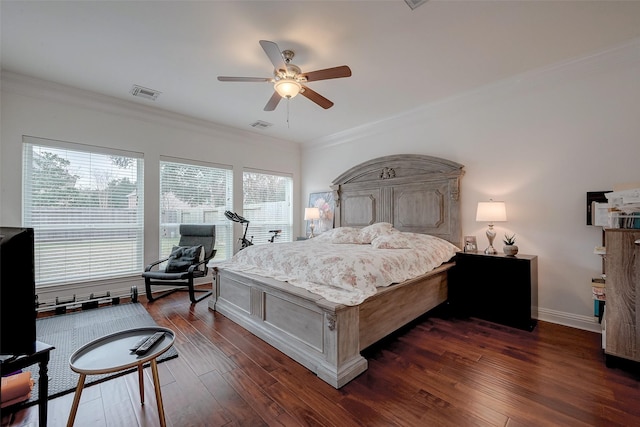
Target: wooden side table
496,287
41,357
111,354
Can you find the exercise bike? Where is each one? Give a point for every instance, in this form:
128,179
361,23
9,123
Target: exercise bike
244,242
274,234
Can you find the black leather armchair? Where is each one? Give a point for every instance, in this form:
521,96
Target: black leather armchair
186,262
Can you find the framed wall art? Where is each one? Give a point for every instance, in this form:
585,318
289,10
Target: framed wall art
326,204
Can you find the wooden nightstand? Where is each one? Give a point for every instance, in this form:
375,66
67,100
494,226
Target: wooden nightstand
498,288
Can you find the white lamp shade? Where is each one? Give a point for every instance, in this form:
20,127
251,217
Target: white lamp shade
311,213
491,211
287,88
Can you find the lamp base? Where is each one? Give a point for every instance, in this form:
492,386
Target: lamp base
312,226
490,250
490,236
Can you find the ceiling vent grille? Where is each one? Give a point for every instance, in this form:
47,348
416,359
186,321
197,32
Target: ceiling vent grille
415,3
261,125
143,92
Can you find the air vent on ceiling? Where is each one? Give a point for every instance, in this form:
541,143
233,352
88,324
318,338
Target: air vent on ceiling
415,3
144,92
261,125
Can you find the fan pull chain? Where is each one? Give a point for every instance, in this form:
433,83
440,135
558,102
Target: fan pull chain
288,101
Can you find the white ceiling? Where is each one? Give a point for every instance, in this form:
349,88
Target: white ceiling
400,59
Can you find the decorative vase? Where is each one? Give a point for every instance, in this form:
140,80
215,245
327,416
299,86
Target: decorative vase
510,250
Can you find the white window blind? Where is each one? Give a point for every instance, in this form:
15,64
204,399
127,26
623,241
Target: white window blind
195,193
85,205
267,206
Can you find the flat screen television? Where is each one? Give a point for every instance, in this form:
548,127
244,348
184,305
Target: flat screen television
17,291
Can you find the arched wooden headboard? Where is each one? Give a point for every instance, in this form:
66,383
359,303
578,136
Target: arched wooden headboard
415,193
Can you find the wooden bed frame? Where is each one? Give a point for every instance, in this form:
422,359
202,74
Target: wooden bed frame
415,193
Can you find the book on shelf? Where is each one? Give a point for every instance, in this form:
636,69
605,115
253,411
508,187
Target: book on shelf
598,293
598,309
598,288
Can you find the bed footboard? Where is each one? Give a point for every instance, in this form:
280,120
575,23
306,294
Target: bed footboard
318,334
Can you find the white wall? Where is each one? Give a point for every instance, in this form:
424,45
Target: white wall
43,109
539,142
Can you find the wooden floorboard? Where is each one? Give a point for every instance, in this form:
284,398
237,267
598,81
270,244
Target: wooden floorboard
438,371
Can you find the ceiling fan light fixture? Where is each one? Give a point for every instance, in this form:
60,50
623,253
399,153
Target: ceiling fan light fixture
288,80
287,88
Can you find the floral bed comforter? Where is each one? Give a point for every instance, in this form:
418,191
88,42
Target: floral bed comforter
346,265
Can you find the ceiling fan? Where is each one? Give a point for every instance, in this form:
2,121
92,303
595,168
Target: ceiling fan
289,80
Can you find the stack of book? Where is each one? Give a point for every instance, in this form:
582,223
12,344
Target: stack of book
599,296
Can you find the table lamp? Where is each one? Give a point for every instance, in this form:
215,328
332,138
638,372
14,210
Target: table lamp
491,212
311,214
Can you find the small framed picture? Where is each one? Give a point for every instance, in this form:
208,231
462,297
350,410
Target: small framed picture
470,244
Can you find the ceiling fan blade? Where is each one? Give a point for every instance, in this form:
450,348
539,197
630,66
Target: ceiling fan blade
329,73
275,55
244,79
273,102
316,97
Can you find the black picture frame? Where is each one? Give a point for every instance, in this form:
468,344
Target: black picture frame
595,196
470,244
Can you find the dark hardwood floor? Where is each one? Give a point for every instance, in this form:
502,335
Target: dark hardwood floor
439,371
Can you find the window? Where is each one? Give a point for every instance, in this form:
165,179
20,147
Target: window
267,206
85,205
195,193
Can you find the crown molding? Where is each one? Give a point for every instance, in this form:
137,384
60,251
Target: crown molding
24,85
626,54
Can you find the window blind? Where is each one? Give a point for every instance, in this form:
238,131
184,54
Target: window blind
267,206
85,205
195,193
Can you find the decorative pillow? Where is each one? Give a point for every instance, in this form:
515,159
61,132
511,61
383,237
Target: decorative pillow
370,232
340,235
182,258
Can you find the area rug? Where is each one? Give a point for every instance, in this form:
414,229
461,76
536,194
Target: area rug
68,332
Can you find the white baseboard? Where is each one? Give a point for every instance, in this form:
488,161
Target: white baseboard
587,323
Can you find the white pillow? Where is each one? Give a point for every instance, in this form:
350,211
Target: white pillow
340,235
392,241
370,232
